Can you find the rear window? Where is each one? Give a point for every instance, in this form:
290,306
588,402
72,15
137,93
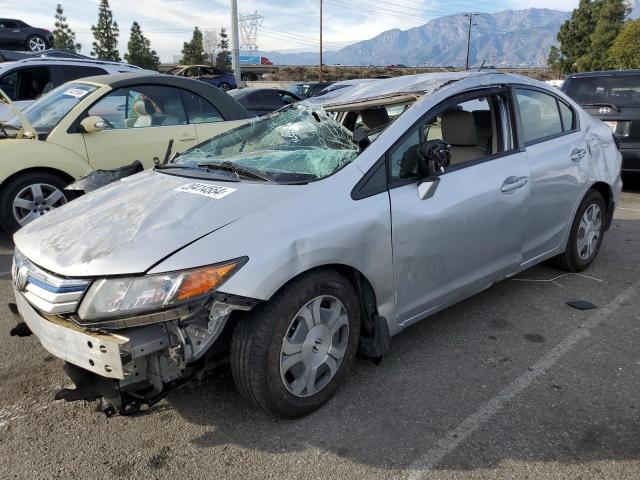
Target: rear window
620,90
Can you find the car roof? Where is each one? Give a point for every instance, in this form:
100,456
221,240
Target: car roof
608,73
71,61
230,109
411,86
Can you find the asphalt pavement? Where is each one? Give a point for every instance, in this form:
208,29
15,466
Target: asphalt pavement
512,383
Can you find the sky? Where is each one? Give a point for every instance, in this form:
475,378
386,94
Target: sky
287,25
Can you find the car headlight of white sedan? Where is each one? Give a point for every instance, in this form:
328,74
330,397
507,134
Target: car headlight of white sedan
127,296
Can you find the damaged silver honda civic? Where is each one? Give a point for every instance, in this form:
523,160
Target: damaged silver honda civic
293,242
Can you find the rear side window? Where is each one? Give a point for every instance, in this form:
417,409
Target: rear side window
8,24
74,72
539,115
198,109
266,98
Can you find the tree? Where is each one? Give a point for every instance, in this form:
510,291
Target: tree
106,34
625,52
193,51
574,34
63,37
140,52
223,49
555,60
609,22
210,43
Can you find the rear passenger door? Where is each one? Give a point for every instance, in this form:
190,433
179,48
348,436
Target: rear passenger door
556,151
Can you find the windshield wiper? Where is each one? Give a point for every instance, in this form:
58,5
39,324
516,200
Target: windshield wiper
600,105
239,170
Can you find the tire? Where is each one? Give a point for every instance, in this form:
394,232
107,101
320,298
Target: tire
225,87
21,186
571,260
258,345
37,43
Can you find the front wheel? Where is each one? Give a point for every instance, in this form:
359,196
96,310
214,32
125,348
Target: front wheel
225,87
36,43
27,197
585,238
290,355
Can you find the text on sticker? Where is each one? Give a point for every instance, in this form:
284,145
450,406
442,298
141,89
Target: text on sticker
76,92
206,189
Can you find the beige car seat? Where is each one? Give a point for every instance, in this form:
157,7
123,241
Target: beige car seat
459,131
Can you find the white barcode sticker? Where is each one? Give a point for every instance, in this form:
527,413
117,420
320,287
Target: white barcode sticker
206,189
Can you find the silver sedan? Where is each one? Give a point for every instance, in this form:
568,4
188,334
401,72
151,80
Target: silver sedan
296,240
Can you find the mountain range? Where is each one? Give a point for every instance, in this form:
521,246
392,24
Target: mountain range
507,38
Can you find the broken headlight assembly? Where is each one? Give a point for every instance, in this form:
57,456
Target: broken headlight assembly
110,298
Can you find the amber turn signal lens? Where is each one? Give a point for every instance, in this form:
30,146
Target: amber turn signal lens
199,282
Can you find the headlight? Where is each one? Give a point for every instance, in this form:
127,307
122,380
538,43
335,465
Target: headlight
118,297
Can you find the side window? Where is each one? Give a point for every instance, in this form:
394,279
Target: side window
287,98
26,83
8,84
198,109
74,72
8,24
141,107
472,129
539,115
568,119
192,72
112,108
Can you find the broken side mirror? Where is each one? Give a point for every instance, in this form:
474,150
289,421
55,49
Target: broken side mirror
434,157
94,124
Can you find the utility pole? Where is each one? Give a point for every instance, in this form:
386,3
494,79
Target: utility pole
235,42
470,17
320,41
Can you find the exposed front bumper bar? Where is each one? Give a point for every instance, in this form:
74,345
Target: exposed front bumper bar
103,354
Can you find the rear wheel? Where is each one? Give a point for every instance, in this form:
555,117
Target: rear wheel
290,355
29,196
36,43
585,238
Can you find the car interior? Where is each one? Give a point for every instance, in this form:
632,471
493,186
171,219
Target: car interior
27,83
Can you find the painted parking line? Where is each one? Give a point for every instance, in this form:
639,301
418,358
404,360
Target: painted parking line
454,438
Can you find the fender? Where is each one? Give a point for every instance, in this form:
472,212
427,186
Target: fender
17,155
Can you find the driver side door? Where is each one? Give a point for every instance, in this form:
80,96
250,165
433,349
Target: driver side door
142,121
470,232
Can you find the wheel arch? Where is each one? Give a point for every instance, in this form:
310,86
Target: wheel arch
607,193
374,331
19,173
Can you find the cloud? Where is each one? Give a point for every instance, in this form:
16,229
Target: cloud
287,25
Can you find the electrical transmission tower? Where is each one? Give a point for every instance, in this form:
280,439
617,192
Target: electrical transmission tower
249,31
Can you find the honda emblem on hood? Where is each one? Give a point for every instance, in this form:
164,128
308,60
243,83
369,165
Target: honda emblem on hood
605,110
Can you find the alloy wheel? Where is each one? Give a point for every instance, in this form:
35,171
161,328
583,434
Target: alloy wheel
35,200
314,346
37,44
589,231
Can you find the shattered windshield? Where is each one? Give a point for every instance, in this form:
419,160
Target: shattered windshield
296,144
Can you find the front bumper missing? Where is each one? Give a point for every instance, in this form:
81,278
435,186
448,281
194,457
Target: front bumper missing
105,354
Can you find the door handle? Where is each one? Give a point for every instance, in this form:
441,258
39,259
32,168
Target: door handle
186,137
578,154
514,183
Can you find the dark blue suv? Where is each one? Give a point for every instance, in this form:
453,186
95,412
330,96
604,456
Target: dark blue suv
215,76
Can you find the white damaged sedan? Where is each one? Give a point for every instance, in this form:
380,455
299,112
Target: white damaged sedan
291,243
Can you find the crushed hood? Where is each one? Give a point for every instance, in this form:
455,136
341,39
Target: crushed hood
131,225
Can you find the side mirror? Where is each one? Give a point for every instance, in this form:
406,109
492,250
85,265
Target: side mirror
434,157
94,124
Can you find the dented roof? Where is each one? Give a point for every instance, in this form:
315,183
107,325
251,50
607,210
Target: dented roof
405,86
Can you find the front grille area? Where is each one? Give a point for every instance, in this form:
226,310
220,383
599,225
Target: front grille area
46,292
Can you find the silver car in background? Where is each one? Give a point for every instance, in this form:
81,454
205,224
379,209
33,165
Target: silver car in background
296,240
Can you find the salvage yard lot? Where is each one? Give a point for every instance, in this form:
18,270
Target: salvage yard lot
512,383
